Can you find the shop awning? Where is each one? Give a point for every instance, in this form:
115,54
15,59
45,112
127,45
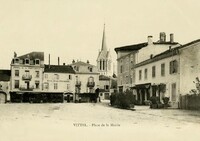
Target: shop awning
143,86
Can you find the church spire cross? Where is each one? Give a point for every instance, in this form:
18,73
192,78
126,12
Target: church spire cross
103,47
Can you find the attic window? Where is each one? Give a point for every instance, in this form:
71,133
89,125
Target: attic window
37,61
90,69
27,61
16,60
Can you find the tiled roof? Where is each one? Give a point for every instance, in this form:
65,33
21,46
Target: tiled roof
80,63
5,75
165,54
59,69
131,47
33,55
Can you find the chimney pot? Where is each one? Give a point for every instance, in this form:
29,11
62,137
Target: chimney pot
58,60
162,37
171,38
63,64
150,39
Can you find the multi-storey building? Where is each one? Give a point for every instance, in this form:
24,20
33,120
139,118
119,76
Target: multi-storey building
26,74
129,56
86,77
169,74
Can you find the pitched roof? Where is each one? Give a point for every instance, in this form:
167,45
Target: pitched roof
165,54
131,47
80,63
33,55
5,75
58,69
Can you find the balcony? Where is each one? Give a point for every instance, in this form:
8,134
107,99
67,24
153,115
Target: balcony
25,88
27,77
78,83
91,84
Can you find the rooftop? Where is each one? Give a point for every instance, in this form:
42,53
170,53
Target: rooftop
58,69
5,75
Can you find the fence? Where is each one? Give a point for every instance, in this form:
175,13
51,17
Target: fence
190,102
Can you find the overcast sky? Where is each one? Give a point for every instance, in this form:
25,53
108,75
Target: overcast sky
72,29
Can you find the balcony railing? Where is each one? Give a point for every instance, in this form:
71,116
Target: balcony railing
78,83
25,88
27,77
91,84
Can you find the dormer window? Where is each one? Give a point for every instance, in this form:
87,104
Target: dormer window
16,61
27,61
90,69
37,61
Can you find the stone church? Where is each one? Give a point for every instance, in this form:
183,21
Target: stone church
104,60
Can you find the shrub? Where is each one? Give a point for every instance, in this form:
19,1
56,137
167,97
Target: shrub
122,100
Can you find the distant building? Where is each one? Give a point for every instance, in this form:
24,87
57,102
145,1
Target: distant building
86,77
59,78
104,60
104,87
4,85
129,56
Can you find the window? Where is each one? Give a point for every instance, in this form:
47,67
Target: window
106,87
140,74
46,76
56,76
16,60
37,84
91,79
145,74
55,86
16,84
121,69
173,67
37,74
68,86
163,69
27,61
90,69
154,71
173,91
46,86
16,72
70,77
27,72
37,61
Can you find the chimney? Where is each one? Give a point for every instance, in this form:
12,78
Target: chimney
49,60
58,61
150,40
171,38
63,64
73,61
88,61
162,37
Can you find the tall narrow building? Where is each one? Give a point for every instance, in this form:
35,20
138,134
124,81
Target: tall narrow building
104,60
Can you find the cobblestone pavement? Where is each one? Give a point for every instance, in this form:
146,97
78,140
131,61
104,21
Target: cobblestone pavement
89,121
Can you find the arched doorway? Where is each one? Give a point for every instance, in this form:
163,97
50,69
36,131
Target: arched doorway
2,97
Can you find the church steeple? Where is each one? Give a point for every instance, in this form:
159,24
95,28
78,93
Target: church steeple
104,47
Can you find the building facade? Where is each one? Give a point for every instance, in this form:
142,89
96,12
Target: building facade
169,74
129,56
86,77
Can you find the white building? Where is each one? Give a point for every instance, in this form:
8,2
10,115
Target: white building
59,78
26,73
86,77
169,74
129,56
